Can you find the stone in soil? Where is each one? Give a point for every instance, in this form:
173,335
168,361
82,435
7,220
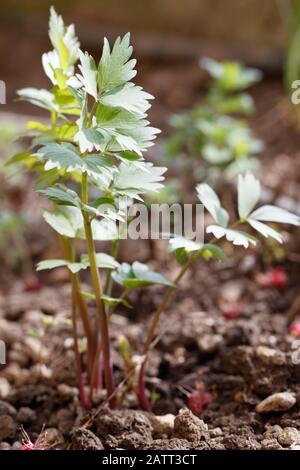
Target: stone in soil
288,437
188,426
84,439
278,402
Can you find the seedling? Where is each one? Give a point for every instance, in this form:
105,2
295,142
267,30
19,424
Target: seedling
90,164
238,233
209,139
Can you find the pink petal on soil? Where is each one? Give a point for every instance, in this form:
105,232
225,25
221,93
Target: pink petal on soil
231,313
197,400
295,329
276,278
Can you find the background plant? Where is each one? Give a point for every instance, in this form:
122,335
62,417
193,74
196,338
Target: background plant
262,221
214,139
290,11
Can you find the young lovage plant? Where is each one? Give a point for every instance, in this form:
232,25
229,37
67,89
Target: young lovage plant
214,137
91,167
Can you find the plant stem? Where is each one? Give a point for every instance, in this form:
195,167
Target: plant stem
86,404
114,253
141,393
105,344
81,305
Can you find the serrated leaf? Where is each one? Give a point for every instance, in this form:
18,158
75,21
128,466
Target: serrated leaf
141,179
275,214
248,194
62,195
265,230
236,237
65,156
88,77
115,68
63,40
60,156
42,98
211,202
130,97
119,122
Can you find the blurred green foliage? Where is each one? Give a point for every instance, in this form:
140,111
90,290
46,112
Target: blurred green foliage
213,138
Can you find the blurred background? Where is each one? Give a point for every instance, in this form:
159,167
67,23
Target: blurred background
167,35
169,38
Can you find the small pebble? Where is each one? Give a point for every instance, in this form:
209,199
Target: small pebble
4,388
163,424
288,437
4,446
8,427
277,402
209,344
26,415
270,356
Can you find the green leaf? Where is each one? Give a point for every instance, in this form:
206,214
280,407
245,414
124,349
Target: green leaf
231,76
104,229
62,195
103,261
183,247
115,68
42,98
236,237
46,179
60,156
248,194
88,77
130,97
141,179
63,40
106,261
115,123
59,263
25,158
209,250
180,242
66,156
275,214
65,220
111,301
211,202
138,275
265,230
